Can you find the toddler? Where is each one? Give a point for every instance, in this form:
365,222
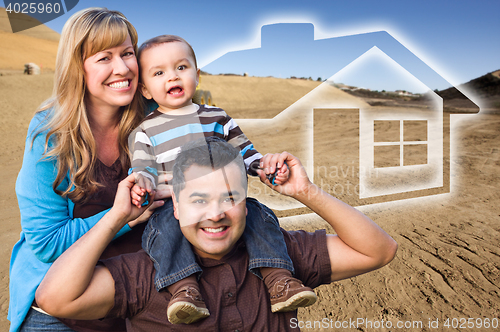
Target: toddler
169,76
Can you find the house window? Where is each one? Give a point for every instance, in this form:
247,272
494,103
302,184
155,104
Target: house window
400,143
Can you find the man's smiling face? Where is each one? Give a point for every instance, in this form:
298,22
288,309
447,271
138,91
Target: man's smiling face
211,209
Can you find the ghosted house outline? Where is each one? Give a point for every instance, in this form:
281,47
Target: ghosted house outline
370,180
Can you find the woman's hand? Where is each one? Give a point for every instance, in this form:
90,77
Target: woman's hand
147,213
157,197
123,209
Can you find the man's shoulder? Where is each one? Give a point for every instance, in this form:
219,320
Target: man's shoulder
309,254
133,263
133,276
300,239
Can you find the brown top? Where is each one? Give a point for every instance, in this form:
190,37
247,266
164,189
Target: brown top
130,242
236,298
109,177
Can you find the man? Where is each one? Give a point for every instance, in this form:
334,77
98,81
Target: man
209,202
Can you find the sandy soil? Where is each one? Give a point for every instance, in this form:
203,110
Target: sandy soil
447,266
448,261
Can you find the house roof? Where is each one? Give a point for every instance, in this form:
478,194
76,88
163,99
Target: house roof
293,45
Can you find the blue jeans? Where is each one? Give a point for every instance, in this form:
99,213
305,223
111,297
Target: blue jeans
174,259
40,322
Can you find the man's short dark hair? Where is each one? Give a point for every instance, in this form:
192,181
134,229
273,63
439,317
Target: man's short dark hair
213,152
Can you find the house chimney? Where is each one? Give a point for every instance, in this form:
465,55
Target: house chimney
287,35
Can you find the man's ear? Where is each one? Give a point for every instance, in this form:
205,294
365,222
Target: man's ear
175,203
145,91
197,76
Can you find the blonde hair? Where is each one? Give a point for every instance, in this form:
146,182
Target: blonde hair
85,33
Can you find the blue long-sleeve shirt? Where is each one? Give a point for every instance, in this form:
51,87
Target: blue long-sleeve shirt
48,226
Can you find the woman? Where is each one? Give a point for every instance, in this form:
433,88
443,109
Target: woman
76,153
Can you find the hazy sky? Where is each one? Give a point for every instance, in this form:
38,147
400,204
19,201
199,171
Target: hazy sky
460,40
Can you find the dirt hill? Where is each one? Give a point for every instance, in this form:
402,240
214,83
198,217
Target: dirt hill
38,45
40,31
251,97
485,86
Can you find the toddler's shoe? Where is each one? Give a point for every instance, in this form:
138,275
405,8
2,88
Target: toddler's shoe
186,306
288,294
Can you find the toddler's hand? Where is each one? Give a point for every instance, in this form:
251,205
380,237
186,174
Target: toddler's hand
273,169
141,190
138,195
282,174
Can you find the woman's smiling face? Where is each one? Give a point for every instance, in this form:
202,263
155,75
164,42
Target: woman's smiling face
111,76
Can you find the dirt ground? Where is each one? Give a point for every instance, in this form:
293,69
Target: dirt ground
448,261
447,266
